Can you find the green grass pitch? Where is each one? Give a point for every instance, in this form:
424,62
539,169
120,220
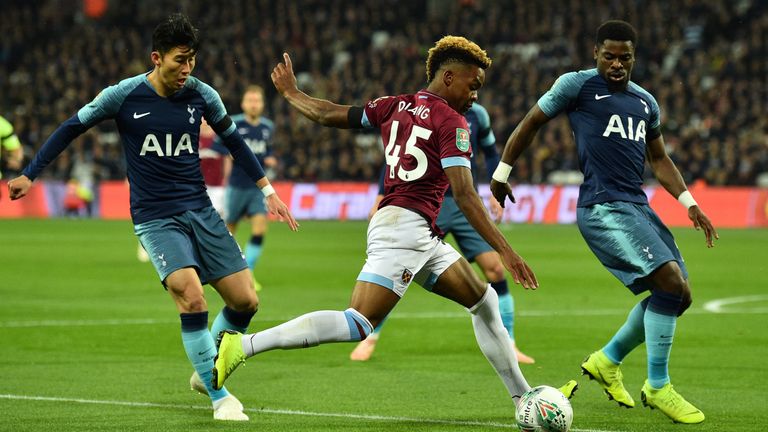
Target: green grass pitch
90,341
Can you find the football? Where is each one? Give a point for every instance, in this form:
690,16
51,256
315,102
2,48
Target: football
544,409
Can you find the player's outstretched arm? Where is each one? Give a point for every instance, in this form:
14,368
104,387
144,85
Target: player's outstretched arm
18,187
472,206
520,139
275,205
319,111
669,177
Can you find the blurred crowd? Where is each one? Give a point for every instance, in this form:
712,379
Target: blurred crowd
705,61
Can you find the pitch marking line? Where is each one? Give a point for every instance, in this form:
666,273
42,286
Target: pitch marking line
712,306
396,419
720,305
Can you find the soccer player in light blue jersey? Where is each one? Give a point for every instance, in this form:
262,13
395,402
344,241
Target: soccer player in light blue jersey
617,127
243,198
451,220
158,115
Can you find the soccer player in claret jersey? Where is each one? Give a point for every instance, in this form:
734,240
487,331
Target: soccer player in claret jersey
451,220
616,124
158,115
427,148
244,199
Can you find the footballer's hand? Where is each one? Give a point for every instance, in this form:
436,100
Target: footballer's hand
283,77
279,209
496,210
19,187
501,191
521,272
701,221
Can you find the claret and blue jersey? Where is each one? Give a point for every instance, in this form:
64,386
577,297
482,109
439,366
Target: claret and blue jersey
160,139
611,131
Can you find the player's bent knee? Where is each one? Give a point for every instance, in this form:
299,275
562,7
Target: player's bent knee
665,302
359,326
494,274
249,304
686,303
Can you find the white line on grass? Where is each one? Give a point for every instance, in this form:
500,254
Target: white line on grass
397,419
719,305
263,317
713,306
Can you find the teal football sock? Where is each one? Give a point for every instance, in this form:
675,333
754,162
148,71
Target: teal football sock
507,311
629,336
229,319
200,349
660,320
253,250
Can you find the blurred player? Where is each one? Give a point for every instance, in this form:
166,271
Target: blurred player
427,148
244,199
11,152
616,124
158,115
215,168
451,220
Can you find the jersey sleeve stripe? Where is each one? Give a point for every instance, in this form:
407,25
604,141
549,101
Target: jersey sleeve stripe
107,103
455,161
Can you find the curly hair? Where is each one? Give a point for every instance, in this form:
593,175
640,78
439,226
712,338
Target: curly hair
616,30
455,49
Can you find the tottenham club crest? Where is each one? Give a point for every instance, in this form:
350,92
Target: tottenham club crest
191,112
406,276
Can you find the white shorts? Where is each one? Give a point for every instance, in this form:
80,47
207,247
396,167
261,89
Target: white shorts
401,248
217,195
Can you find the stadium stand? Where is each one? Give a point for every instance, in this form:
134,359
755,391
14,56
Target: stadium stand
705,61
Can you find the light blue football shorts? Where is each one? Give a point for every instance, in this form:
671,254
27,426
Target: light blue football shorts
243,202
194,238
630,240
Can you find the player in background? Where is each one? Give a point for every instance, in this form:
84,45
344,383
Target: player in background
427,148
11,153
451,220
616,124
158,115
244,199
215,168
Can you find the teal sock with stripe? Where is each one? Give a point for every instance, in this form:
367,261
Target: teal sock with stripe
629,336
200,349
660,320
253,250
230,319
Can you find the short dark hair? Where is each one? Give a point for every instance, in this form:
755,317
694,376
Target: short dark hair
175,31
616,30
455,49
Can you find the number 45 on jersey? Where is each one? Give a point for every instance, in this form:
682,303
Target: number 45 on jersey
393,158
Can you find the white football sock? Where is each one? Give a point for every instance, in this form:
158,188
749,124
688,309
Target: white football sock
494,342
309,330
